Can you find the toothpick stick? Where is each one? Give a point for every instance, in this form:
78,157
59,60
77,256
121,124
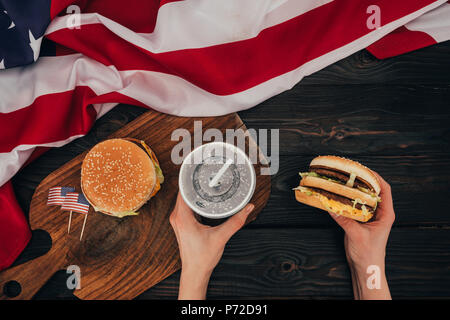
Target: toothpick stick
84,224
70,221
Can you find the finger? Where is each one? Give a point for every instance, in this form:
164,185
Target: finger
173,222
385,211
183,212
233,224
349,225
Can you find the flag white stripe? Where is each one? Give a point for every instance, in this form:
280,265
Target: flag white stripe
179,23
11,162
19,87
435,23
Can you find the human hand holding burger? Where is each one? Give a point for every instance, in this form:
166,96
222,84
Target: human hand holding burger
201,247
353,194
365,245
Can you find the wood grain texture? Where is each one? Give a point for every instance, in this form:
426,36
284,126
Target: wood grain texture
426,66
310,263
358,120
118,258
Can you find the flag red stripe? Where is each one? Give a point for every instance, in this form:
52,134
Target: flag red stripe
14,226
74,204
400,41
236,66
74,208
73,108
54,117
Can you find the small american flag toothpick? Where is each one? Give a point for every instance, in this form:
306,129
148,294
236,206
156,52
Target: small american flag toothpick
78,203
56,195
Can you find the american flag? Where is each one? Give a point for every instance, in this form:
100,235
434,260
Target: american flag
57,195
75,202
182,57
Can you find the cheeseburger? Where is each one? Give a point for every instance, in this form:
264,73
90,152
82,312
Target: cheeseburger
341,186
118,176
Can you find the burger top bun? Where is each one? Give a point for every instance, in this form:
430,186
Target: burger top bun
348,166
117,177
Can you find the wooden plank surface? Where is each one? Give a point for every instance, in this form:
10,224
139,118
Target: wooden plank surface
358,119
277,263
392,115
311,263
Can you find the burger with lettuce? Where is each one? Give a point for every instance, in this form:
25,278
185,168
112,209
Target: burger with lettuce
340,186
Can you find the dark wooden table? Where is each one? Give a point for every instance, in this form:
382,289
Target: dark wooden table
392,115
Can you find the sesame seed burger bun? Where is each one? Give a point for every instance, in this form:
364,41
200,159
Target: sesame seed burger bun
118,177
347,165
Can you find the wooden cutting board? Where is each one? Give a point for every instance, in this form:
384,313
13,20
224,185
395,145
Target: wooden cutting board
118,258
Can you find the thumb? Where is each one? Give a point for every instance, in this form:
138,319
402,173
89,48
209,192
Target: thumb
350,226
233,224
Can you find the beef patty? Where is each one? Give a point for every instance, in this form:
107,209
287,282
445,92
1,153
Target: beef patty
339,198
341,176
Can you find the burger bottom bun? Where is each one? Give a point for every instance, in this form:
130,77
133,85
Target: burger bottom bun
321,202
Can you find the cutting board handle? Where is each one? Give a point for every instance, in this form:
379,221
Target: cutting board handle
31,275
